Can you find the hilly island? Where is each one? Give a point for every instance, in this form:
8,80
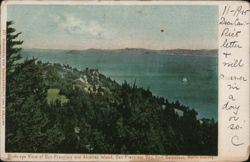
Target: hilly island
153,51
52,107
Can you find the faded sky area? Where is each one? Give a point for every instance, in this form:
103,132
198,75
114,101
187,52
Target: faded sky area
116,27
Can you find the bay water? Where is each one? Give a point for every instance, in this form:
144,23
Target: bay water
190,79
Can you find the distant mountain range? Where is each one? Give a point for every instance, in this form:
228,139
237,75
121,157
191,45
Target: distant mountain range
152,51
140,51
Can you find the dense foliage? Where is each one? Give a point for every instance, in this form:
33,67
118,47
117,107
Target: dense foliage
60,109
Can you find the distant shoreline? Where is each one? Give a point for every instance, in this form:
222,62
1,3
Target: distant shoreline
141,50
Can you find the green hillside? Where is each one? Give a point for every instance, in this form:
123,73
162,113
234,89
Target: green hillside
55,108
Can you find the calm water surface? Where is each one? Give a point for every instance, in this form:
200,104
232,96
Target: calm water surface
191,79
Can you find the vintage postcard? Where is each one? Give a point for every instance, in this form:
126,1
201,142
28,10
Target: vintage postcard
124,81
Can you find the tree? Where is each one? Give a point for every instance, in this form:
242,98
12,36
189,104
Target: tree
12,55
25,99
13,47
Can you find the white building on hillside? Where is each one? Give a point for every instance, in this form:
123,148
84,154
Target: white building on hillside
179,112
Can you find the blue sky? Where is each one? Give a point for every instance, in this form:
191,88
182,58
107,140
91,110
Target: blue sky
115,27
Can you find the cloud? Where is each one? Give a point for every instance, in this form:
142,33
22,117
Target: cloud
74,25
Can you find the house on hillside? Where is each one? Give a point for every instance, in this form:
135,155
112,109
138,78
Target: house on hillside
85,77
81,80
94,72
179,112
204,120
44,74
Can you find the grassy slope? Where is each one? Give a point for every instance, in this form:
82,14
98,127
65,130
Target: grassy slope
53,95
